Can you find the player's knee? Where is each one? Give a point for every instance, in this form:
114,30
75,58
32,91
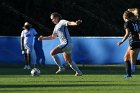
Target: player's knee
126,58
68,60
52,53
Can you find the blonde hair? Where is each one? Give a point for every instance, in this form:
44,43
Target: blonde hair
128,15
135,11
27,25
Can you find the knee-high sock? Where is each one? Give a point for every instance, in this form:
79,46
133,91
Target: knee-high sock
74,67
128,67
57,61
27,59
133,67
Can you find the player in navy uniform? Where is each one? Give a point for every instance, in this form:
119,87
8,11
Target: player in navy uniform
27,38
132,32
65,45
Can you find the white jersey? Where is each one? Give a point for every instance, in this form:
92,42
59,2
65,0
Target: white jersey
62,32
28,36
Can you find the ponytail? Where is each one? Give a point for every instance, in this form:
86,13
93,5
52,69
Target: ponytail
135,11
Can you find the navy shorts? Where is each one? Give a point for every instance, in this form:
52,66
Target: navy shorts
135,45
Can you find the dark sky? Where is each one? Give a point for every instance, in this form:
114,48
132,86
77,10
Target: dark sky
100,17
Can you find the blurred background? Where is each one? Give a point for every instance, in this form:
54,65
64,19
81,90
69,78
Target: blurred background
100,17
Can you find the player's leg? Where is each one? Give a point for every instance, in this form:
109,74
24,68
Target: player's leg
133,55
127,63
56,58
67,57
27,59
28,49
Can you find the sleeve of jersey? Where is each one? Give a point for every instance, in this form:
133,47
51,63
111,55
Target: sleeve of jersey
54,31
64,22
22,41
21,34
125,25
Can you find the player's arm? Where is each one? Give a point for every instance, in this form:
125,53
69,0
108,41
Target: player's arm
53,36
125,37
22,43
72,23
139,34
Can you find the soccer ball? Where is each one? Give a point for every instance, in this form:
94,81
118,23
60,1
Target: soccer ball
35,72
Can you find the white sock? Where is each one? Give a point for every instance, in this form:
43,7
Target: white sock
74,67
133,67
57,61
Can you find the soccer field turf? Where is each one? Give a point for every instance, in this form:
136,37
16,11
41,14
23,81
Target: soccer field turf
96,79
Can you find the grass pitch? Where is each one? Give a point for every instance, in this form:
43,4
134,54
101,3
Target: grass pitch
96,79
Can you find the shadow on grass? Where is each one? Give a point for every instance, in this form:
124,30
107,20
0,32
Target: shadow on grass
65,85
51,69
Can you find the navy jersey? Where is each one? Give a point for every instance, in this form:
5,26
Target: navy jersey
134,28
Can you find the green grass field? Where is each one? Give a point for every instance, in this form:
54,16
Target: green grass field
96,79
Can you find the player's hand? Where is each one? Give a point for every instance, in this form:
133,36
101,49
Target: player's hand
40,38
78,22
119,43
23,52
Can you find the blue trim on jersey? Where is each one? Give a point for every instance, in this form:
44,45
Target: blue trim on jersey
66,37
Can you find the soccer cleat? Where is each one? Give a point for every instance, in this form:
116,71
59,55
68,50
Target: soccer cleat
28,67
60,70
25,67
127,76
79,74
132,72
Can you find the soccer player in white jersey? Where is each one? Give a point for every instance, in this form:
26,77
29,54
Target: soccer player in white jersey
66,44
27,38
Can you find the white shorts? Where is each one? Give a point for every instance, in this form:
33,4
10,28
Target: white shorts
28,48
66,48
